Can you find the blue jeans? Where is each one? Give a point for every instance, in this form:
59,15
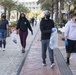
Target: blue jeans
45,45
3,34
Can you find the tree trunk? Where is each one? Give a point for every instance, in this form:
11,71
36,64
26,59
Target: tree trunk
17,15
52,9
52,12
61,8
56,10
5,10
8,14
74,6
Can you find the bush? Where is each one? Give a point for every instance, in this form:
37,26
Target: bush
14,23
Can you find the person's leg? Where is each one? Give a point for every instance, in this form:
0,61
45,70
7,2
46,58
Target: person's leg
21,37
51,53
44,49
25,34
0,40
4,39
68,57
69,50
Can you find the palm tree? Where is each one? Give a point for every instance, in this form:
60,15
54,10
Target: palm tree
21,8
11,7
56,10
61,8
4,4
7,5
46,5
75,6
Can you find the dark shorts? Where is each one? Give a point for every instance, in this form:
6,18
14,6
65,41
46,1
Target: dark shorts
71,48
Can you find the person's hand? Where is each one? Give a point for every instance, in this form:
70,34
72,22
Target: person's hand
66,42
53,29
32,33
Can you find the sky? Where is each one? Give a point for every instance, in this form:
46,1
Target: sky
27,0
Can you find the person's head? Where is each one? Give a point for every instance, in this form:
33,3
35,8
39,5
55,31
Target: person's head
71,13
74,17
3,16
46,14
22,16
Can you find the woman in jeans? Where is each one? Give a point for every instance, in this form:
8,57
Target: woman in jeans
22,27
3,31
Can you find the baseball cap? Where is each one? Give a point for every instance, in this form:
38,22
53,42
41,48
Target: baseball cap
46,12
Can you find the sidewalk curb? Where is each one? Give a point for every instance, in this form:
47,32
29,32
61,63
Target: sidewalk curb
64,69
24,59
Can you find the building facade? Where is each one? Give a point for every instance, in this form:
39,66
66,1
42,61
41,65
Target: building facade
33,6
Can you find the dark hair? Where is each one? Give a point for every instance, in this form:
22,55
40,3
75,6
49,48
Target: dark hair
20,18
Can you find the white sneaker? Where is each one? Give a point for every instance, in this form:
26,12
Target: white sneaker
52,65
44,64
3,49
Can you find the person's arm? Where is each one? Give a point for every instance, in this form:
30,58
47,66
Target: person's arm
66,32
53,24
45,31
29,26
7,24
42,29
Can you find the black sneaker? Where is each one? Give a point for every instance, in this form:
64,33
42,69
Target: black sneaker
23,50
68,62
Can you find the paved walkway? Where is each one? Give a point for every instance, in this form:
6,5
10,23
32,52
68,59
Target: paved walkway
33,66
33,63
11,59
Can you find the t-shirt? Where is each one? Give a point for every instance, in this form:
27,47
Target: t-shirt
3,24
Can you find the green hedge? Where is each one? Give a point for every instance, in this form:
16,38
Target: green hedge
14,23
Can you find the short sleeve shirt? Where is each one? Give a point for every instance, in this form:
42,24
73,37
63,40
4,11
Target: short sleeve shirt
3,24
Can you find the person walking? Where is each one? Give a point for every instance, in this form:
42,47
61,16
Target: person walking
22,27
32,21
70,37
3,31
46,25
